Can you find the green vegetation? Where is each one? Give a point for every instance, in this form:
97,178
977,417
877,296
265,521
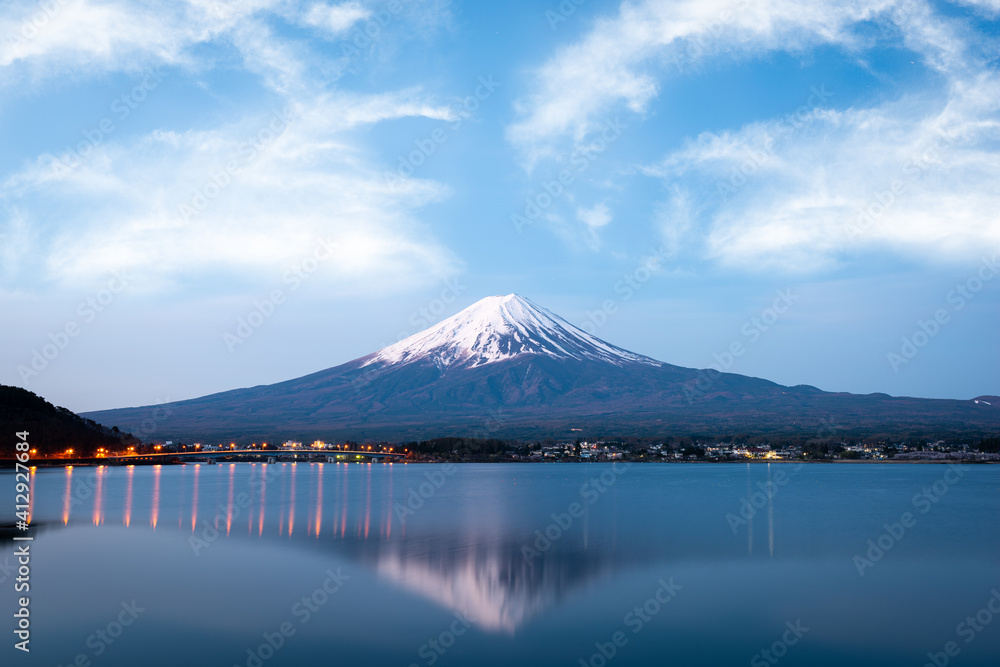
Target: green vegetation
52,430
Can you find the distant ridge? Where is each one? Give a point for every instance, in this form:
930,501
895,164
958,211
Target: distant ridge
506,367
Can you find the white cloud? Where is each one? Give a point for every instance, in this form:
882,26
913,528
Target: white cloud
596,217
988,7
788,193
335,19
593,220
89,35
163,205
913,177
618,64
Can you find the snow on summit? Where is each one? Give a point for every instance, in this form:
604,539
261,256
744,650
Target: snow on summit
498,328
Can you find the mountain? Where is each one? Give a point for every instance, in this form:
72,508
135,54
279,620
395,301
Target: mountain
499,328
506,367
53,429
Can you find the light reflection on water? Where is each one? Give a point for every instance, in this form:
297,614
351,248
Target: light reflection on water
154,514
498,545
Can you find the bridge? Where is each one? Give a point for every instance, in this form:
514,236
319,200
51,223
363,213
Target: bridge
272,455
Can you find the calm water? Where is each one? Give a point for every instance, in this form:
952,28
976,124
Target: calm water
450,565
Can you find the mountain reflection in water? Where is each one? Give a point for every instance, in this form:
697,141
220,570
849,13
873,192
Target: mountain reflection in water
499,580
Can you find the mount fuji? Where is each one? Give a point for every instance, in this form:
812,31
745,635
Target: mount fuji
506,367
499,328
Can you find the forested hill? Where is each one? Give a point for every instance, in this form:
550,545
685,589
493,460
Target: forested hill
51,429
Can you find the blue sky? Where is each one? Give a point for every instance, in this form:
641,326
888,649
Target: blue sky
812,185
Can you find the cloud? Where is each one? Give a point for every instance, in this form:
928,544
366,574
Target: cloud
593,220
240,200
618,64
61,36
987,7
912,176
335,19
247,200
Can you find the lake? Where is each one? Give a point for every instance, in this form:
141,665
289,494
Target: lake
511,564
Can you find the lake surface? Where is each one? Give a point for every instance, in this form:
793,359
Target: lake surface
530,564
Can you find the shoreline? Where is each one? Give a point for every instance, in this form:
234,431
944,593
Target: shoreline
6,464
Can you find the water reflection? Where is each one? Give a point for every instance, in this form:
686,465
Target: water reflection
461,567
194,498
291,504
128,496
31,492
67,494
99,496
263,499
229,502
754,502
770,513
319,499
155,510
489,581
750,520
467,555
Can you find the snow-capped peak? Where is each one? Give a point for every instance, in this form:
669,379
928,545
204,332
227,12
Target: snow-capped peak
498,328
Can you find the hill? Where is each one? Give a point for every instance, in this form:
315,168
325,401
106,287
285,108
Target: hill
53,429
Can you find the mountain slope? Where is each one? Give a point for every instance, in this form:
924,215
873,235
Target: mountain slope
53,429
498,328
506,367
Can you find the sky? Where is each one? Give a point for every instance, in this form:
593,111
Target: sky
202,195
